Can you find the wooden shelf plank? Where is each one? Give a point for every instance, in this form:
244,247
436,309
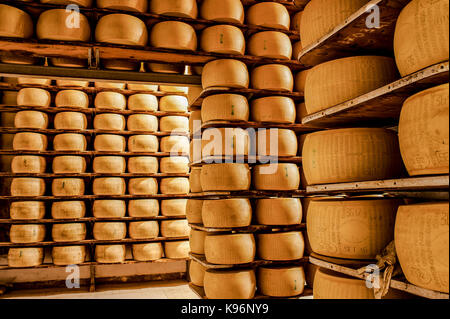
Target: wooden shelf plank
251,229
248,194
247,159
89,153
90,175
91,197
298,128
86,220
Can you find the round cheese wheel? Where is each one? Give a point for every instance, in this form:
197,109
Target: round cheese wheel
281,246
109,208
143,102
230,284
109,186
142,87
16,59
225,39
273,109
278,211
109,122
68,62
110,143
175,186
7,118
33,97
277,142
173,35
34,81
300,81
143,208
225,142
147,252
69,142
231,11
225,177
174,124
225,73
275,77
195,150
120,65
63,25
197,241
28,164
270,44
232,249
143,230
196,273
31,119
281,281
227,213
69,165
334,82
25,257
194,211
68,255
143,144
226,107
110,254
175,8
143,186
68,210
176,249
26,234
421,35
173,103
110,231
110,100
276,177
9,98
125,5
175,228
109,165
120,28
297,47
68,187
15,23
166,68
27,187
142,123
175,165
296,20
70,121
143,165
302,112
330,157
270,15
175,144
27,210
195,122
194,180
71,83
110,85
424,133
173,207
25,141
72,98
81,3
174,89
68,232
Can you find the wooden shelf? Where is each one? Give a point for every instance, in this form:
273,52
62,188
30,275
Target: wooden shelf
248,194
89,175
88,153
91,197
86,220
256,160
353,37
382,106
251,229
298,128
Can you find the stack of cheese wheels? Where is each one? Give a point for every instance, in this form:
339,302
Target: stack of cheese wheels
230,249
110,254
226,213
223,11
280,246
330,157
281,281
176,249
274,77
276,177
25,257
225,142
232,284
173,207
273,109
68,255
175,8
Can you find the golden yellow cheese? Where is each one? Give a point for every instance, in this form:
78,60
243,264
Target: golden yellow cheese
225,73
110,100
331,285
174,124
70,121
71,83
300,81
147,252
68,232
143,208
110,253
110,143
26,234
143,102
9,98
81,3
110,231
142,87
142,123
273,109
109,165
31,119
174,165
109,186
72,98
231,11
120,28
68,255
174,207
194,211
225,142
197,241
270,44
109,122
173,103
166,68
7,118
63,25
68,62
27,187
25,141
230,284
195,122
15,23
196,273
194,180
68,210
109,208
230,249
143,165
281,246
25,257
302,112
281,281
69,165
276,177
110,85
143,144
276,142
227,213
173,35
297,47
424,132
225,39
310,272
34,81
143,186
69,142
27,210
175,228
278,211
143,230
225,177
16,59
270,15
126,5
296,20
174,186
68,187
28,164
195,150
272,77
174,89
121,65
33,97
176,249
226,107
175,8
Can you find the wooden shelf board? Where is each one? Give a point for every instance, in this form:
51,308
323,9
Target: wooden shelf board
87,220
251,229
247,159
88,153
248,194
91,197
88,175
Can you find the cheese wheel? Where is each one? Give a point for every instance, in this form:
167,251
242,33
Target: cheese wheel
63,25
273,109
225,142
27,187
72,98
330,157
110,254
142,123
174,89
194,211
422,230
110,85
7,118
143,102
275,77
194,180
297,47
68,255
68,232
143,144
28,164
143,165
276,177
166,68
70,121
197,242
424,133
351,236
25,257
225,73
225,39
109,165
143,208
227,213
70,142
175,228
174,207
109,208
281,246
33,97
68,210
15,23
175,8
421,35
110,100
302,112
68,187
81,3
175,144
71,83
231,11
225,177
16,59
230,284
109,186
175,186
27,210
331,285
120,65
278,211
68,62
31,119
270,44
177,249
110,143
174,124
195,122
173,35
310,272
9,98
26,234
143,230
300,81
175,165
270,15
34,81
321,16
225,107
195,150
196,273
109,122
232,249
110,231
147,252
25,141
281,281
173,103
334,82
69,165
277,142
121,29
128,5
296,20
142,87
143,186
